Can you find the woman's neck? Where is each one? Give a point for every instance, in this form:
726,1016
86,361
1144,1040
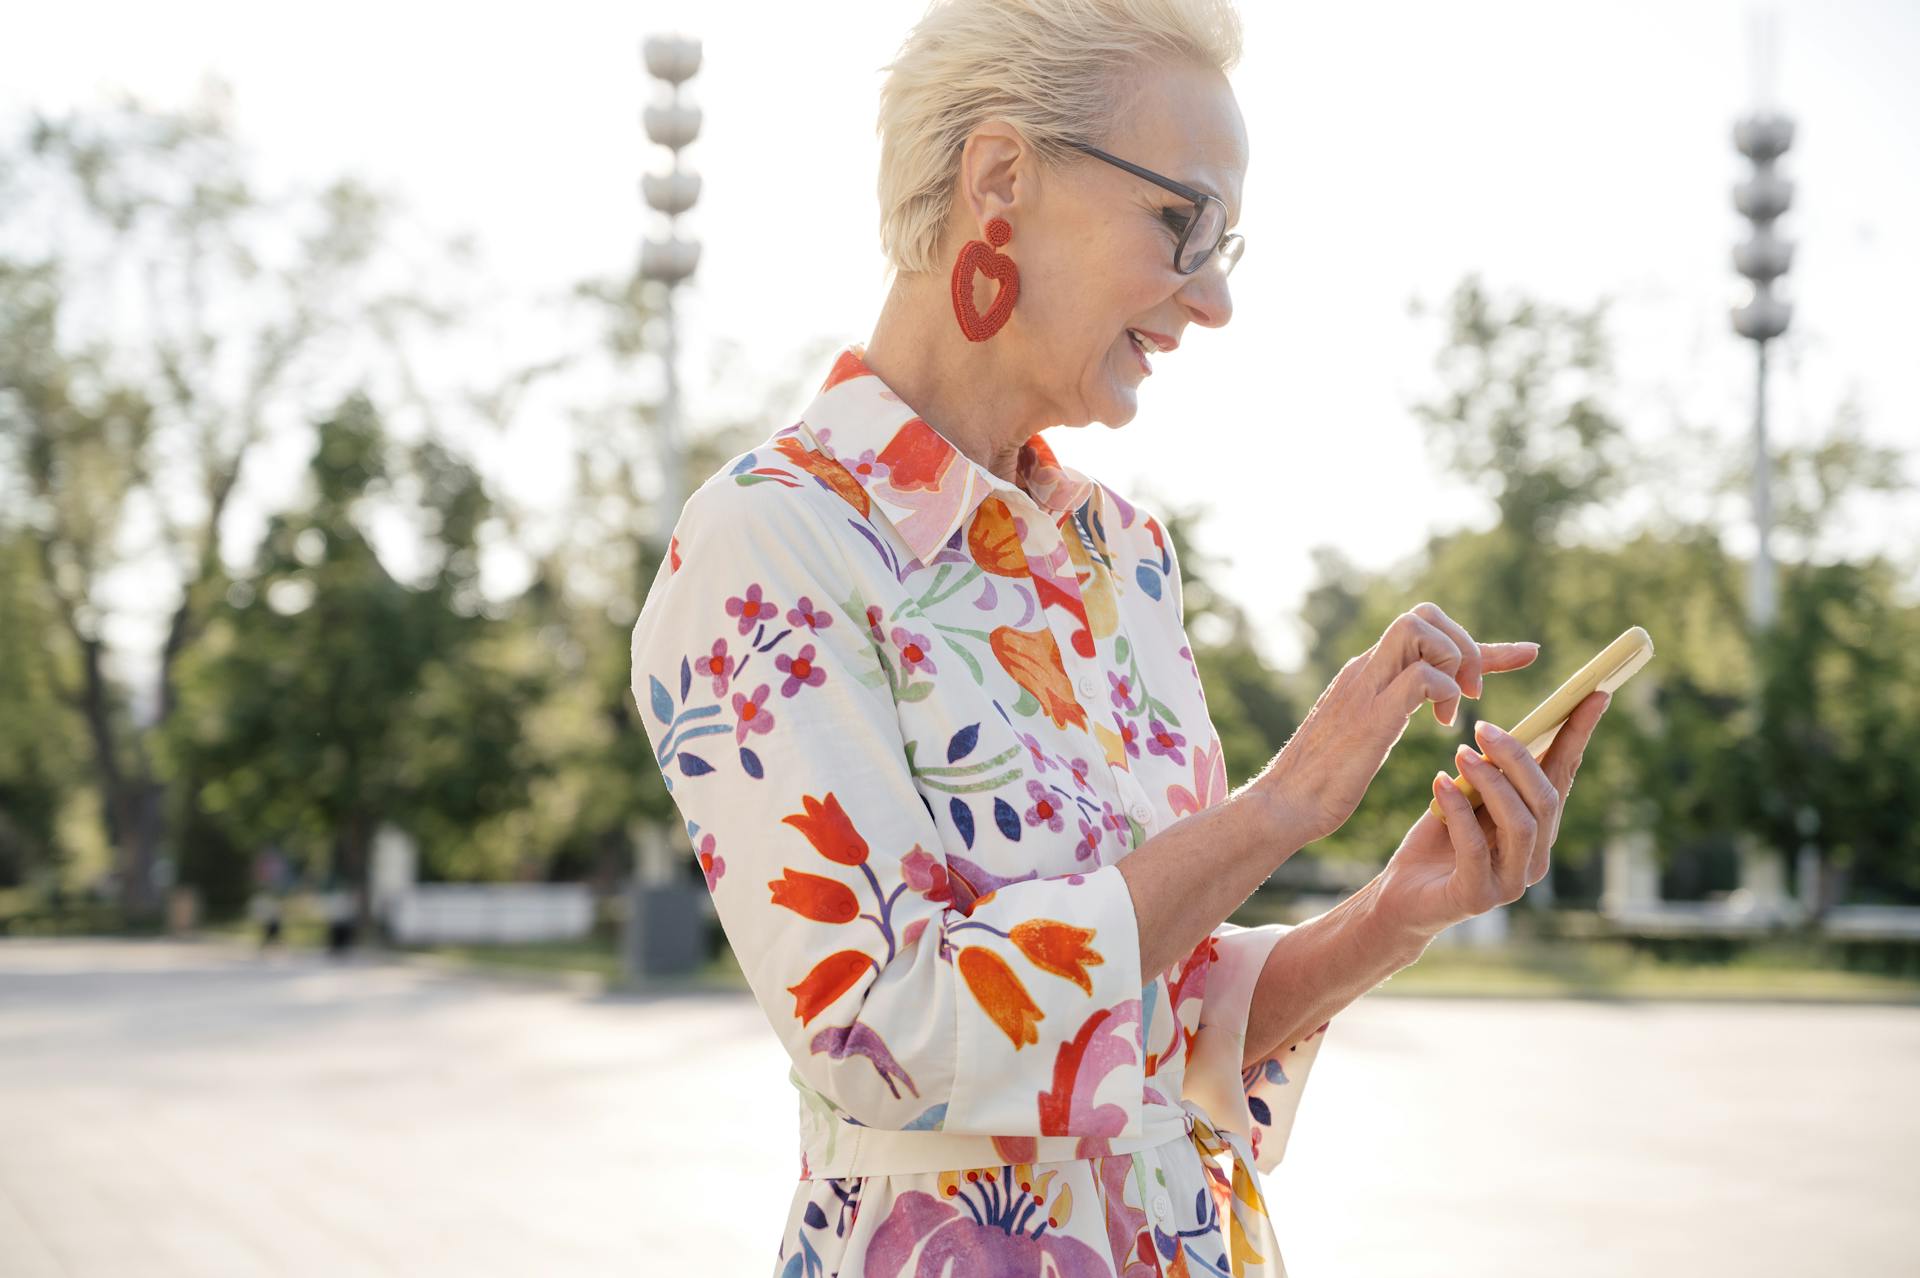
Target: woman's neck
962,389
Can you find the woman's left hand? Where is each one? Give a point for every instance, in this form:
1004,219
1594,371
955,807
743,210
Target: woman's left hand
1446,872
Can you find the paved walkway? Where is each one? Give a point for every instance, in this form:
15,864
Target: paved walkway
176,1109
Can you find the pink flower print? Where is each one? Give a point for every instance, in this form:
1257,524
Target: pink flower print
717,664
1121,690
1163,740
804,615
800,671
1045,810
752,609
1041,759
1078,767
996,1229
926,875
868,467
1113,818
914,651
754,716
710,865
1089,844
874,617
1127,734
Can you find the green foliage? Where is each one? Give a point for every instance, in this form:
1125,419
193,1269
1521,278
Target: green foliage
1809,732
329,697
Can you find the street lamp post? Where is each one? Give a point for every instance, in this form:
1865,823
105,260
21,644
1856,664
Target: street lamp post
1763,258
672,124
667,910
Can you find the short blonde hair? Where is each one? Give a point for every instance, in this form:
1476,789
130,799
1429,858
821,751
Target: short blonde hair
1057,70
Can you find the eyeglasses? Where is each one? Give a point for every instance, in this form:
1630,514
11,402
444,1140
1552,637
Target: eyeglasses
1205,229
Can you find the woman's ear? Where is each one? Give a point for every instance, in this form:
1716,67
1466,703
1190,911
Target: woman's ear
995,174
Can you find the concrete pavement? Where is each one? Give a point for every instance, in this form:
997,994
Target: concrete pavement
186,1109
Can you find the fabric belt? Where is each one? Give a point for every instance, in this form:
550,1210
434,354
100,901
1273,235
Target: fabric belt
855,1150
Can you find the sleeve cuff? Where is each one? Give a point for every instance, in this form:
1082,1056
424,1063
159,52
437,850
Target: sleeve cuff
1258,1102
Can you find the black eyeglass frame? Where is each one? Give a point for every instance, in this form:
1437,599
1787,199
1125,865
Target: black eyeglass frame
1196,198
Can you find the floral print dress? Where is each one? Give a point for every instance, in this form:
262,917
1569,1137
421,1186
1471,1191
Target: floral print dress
914,716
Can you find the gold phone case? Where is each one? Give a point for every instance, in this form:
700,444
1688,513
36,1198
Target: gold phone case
1615,664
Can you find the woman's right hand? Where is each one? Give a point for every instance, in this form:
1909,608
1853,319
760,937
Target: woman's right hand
1318,779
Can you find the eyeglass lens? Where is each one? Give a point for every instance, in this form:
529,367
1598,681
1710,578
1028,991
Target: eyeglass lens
1205,234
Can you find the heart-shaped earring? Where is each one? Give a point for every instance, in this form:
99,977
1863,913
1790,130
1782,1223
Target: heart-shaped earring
981,255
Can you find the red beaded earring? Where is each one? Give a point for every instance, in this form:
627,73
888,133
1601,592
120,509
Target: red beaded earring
981,255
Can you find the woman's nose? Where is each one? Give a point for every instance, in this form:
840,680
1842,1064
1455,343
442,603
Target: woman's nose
1207,296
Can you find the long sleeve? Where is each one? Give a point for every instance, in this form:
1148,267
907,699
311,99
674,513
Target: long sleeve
1259,1101
768,689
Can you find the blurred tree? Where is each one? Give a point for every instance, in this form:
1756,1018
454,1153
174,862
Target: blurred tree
41,747
1249,703
152,327
329,697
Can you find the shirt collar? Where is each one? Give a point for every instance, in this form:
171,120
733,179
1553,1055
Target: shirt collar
924,485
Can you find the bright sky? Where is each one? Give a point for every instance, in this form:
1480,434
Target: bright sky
1568,151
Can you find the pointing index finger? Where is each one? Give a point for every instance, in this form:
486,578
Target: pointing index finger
1496,658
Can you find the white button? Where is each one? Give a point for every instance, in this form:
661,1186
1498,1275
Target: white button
1141,812
1162,1206
1089,685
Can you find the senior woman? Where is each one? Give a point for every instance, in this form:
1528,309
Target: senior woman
923,694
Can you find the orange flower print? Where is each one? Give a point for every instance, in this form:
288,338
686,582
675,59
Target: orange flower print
994,541
1060,948
716,664
752,712
917,458
831,977
752,609
817,897
997,988
1033,659
829,829
827,471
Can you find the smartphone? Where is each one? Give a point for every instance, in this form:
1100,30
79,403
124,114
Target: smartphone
1613,666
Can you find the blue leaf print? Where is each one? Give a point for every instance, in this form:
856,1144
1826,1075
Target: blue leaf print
745,464
962,819
1149,579
1261,1112
794,1266
686,677
1007,819
963,742
929,1121
1273,1071
662,703
818,1218
692,765
751,762
1200,1203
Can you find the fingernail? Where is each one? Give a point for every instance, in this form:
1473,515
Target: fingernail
1465,752
1485,733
